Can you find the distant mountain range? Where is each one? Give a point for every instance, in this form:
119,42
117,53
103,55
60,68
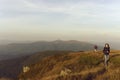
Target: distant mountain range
21,49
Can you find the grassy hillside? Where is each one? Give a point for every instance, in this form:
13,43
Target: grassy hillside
75,66
21,49
11,68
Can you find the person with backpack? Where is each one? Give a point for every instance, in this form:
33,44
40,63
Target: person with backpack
106,52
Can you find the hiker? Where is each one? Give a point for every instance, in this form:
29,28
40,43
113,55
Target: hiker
106,52
95,48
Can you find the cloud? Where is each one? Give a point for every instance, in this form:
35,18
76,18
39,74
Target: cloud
75,8
72,12
59,17
29,4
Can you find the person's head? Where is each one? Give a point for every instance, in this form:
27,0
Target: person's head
107,45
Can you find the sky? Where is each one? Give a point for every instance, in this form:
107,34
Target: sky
83,20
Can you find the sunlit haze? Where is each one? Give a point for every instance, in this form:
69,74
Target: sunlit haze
83,20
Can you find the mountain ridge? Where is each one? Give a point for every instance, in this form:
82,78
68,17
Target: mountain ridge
22,49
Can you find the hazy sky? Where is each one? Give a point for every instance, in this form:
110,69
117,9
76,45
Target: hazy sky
89,20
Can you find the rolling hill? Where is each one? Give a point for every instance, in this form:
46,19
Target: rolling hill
21,49
75,66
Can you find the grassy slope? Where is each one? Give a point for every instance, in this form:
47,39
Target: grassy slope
87,66
11,68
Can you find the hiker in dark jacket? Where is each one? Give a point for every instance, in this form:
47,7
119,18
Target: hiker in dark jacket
106,52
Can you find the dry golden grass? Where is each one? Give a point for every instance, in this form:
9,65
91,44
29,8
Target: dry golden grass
84,66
